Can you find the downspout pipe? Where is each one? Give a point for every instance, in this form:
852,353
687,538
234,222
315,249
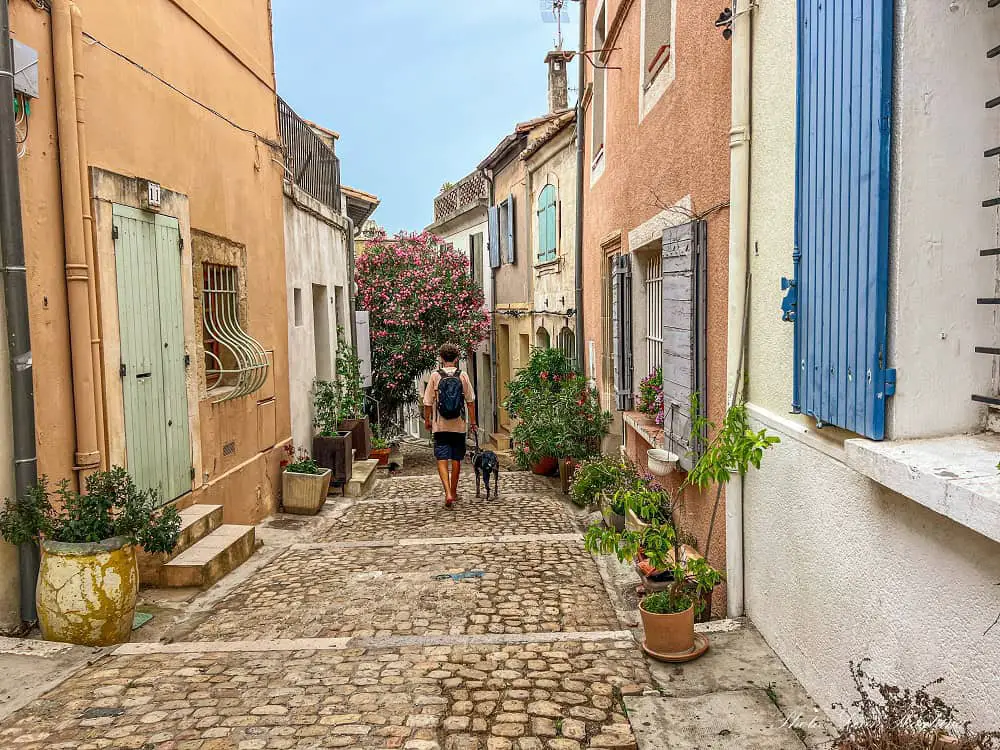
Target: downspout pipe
739,233
352,303
581,344
87,458
15,295
89,233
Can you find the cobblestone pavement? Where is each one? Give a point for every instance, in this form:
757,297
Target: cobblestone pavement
483,628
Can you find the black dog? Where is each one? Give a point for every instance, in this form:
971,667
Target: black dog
486,464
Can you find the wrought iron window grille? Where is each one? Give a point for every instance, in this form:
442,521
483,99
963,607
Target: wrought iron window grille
236,364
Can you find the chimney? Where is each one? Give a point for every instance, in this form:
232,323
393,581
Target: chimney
558,61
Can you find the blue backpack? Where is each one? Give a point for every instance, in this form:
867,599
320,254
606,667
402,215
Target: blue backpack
451,395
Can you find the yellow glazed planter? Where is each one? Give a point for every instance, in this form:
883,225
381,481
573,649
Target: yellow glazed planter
86,593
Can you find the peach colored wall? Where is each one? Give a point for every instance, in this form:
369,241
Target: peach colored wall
136,126
679,149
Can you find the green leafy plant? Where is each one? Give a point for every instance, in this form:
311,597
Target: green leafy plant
335,401
603,475
886,717
547,367
112,506
559,414
300,462
650,396
691,576
379,443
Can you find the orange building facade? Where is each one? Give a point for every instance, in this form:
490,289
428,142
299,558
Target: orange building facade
656,224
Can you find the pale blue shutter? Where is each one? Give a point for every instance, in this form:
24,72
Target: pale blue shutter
511,234
494,229
842,213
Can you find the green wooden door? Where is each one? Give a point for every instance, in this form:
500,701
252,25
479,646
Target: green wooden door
150,315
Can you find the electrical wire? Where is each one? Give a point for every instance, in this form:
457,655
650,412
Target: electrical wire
264,139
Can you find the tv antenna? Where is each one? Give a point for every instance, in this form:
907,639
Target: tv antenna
554,11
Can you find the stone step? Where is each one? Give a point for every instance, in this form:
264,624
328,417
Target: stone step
197,522
362,479
222,551
501,440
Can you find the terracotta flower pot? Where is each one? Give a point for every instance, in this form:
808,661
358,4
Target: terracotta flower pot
382,454
86,593
304,494
669,634
545,466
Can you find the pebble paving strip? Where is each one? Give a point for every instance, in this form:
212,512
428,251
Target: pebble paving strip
408,518
564,696
374,592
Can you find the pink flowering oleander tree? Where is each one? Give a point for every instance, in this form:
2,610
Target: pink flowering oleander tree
418,296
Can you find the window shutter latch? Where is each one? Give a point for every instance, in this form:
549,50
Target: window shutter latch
791,300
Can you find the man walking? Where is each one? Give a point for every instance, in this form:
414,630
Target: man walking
448,397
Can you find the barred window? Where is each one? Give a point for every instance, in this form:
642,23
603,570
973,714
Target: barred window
654,312
235,363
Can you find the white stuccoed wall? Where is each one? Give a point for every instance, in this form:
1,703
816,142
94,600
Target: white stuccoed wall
316,252
838,567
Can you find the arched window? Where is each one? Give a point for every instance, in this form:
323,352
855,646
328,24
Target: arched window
567,342
547,229
542,340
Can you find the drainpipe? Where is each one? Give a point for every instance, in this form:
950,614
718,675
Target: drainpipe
351,291
89,233
15,295
488,174
88,455
581,344
739,192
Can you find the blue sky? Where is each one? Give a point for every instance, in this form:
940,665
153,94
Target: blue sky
419,90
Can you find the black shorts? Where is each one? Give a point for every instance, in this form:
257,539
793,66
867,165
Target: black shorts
449,446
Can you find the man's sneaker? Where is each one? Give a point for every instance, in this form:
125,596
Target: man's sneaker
449,503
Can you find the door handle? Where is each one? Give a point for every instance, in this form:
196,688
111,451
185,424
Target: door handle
143,375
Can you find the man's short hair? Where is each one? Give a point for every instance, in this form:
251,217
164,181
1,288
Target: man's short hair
449,353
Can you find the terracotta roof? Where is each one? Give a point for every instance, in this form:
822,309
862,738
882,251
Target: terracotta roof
550,132
520,133
359,194
360,205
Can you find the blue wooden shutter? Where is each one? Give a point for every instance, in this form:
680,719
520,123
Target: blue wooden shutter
511,235
494,222
842,213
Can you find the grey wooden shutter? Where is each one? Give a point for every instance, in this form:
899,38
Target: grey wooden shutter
494,222
684,335
511,234
621,323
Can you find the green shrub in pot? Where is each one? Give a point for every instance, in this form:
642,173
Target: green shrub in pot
88,580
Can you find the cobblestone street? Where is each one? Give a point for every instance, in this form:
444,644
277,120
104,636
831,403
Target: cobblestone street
390,623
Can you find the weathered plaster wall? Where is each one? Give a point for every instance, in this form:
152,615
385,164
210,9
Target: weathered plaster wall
514,281
665,159
316,252
941,129
137,127
554,282
838,567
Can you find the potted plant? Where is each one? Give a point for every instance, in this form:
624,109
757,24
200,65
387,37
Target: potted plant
650,396
613,511
350,399
304,484
332,446
558,412
668,615
88,580
380,449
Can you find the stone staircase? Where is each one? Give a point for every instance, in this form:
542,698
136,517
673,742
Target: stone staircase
501,439
206,551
